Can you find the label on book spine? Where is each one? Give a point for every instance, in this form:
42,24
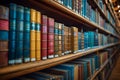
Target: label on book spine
27,26
19,26
12,24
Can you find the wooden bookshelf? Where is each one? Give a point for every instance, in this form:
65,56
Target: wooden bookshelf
25,68
103,14
57,8
103,66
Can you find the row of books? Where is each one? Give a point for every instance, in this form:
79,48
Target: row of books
35,37
79,69
84,8
4,30
106,11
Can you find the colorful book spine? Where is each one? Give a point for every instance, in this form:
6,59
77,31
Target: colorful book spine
82,39
26,35
56,38
79,40
63,46
69,40
38,36
60,39
33,35
74,39
50,25
66,39
4,31
12,34
44,33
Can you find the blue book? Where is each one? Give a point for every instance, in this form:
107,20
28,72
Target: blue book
26,42
67,67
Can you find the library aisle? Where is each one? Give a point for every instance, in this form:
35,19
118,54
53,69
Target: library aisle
115,75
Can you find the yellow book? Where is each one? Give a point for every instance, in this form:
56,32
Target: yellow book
33,15
38,55
32,45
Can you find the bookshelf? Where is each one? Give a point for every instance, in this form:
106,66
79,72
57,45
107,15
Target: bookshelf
50,7
102,67
55,7
103,14
25,68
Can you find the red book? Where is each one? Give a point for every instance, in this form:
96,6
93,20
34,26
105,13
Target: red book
3,59
50,37
4,25
44,37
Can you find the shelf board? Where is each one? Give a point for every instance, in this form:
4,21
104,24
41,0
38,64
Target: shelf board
102,13
25,68
102,67
57,8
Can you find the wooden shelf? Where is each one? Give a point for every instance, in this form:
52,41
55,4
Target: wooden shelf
103,14
25,68
102,67
57,8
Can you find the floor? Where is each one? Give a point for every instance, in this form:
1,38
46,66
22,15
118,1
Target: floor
115,75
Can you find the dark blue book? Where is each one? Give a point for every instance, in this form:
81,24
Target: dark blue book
26,42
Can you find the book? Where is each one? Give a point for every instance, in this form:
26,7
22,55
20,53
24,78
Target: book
74,39
44,32
20,12
26,41
50,42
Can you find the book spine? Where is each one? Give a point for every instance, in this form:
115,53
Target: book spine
12,33
56,38
50,37
44,33
19,37
26,41
4,25
38,36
